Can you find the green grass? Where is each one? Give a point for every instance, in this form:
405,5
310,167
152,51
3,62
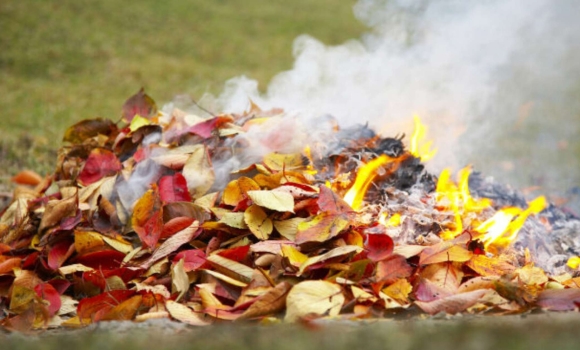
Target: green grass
66,60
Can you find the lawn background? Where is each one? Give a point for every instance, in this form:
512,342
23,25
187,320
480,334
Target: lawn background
67,60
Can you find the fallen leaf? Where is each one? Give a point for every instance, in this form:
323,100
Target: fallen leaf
399,290
269,303
100,163
318,298
207,128
27,177
559,299
280,162
231,268
184,314
321,228
47,292
288,228
193,259
104,259
444,251
171,244
393,268
379,246
139,104
278,201
179,279
89,128
489,266
336,252
329,201
147,218
59,253
198,172
258,222
173,188
452,304
125,311
88,307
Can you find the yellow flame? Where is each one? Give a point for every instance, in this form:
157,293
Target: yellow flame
310,167
420,148
502,228
458,199
393,221
573,262
355,195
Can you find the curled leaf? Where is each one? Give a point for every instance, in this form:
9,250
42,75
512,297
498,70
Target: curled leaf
313,298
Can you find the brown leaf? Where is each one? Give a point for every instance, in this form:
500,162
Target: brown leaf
139,104
393,268
125,311
184,314
452,304
329,201
269,303
89,128
57,210
334,253
559,299
171,244
444,251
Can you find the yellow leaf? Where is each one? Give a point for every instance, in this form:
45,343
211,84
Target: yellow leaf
294,256
179,279
399,290
235,220
319,298
198,172
124,311
86,241
118,244
274,200
279,162
137,122
67,270
231,268
237,189
321,228
21,298
258,222
184,314
531,275
288,228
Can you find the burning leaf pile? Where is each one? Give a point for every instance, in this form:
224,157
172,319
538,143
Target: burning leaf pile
147,218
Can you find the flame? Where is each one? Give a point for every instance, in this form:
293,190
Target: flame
310,167
502,228
458,198
393,221
355,195
573,262
420,148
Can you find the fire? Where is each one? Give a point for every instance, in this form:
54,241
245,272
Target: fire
458,198
420,148
502,228
310,167
365,175
393,221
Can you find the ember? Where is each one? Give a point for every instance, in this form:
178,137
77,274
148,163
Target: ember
202,220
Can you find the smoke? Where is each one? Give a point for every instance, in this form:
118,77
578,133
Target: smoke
496,81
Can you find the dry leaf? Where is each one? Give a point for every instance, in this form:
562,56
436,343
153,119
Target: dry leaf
258,222
274,200
269,303
184,314
313,298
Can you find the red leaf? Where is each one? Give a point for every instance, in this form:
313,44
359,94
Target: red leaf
101,163
125,273
559,299
236,254
393,268
96,278
174,189
205,129
60,285
379,246
193,259
48,292
58,253
175,225
102,260
102,303
330,202
140,104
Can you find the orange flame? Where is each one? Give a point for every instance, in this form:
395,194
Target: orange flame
458,198
420,148
310,167
355,195
502,228
393,221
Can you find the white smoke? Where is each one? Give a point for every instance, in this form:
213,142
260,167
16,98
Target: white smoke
496,81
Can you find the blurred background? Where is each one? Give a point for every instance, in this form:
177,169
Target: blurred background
68,60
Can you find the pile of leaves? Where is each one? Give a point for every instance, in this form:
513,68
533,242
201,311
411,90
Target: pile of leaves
133,226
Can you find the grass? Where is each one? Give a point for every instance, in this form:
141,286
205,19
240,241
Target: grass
67,60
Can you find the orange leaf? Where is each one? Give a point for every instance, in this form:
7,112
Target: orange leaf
329,201
321,228
124,311
27,177
147,217
393,268
452,304
236,190
269,303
